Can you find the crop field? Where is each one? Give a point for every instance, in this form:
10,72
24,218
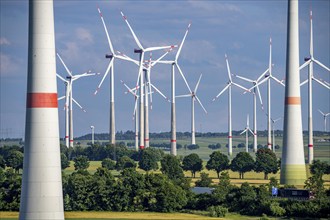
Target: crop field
133,216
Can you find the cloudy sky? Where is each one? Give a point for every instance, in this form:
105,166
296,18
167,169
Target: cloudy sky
240,29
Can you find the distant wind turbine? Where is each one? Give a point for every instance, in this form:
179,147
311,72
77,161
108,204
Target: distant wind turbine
325,119
68,103
310,61
274,121
194,97
230,83
246,131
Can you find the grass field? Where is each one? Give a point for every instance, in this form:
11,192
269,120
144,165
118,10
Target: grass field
133,216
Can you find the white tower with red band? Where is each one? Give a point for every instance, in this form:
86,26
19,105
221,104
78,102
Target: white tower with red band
41,196
293,170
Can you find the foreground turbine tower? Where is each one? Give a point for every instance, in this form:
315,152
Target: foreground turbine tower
293,170
41,196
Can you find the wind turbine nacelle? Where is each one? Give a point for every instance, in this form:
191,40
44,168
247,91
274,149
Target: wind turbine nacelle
307,58
68,77
108,56
137,51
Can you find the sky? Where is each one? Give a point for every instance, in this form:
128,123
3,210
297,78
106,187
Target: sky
240,29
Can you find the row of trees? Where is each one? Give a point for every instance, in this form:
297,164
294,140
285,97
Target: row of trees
170,192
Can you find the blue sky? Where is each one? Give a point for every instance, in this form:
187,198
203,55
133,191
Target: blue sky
239,28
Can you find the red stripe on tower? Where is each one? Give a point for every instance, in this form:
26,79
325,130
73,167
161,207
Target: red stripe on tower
173,140
41,100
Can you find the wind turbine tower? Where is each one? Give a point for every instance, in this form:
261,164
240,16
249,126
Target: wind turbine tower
42,195
293,169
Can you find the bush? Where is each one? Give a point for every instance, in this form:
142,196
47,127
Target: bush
276,209
217,211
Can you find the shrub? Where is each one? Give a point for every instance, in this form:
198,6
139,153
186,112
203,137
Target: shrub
217,211
276,209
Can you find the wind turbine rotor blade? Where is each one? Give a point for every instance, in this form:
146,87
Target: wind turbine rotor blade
157,90
61,78
242,87
259,83
123,56
222,91
243,78
106,32
184,78
270,56
183,96
260,99
320,82
251,131
228,68
305,64
78,105
199,101
263,74
161,57
135,108
184,38
304,82
277,80
245,130
60,98
159,48
321,112
134,36
67,70
321,65
129,90
105,75
196,87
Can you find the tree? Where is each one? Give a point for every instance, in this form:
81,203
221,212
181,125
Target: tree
108,164
81,163
15,160
205,180
318,168
64,161
243,162
125,162
266,162
170,166
148,161
217,162
193,163
2,162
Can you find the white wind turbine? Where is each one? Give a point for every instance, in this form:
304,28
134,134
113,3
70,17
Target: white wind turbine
325,115
274,121
141,51
194,97
230,83
174,63
110,68
246,131
255,91
69,99
310,61
268,76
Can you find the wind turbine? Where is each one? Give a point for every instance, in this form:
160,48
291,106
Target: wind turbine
174,63
69,99
246,131
194,97
274,121
230,83
268,76
141,51
92,128
255,91
310,61
325,119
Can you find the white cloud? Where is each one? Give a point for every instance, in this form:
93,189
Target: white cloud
4,41
84,35
8,65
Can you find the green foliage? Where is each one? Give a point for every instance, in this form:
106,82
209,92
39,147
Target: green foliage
276,209
205,180
243,162
64,161
217,162
125,162
214,146
266,162
319,168
81,163
15,160
148,160
2,162
10,190
193,163
170,166
108,164
217,211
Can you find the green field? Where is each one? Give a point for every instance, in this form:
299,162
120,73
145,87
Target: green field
133,216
